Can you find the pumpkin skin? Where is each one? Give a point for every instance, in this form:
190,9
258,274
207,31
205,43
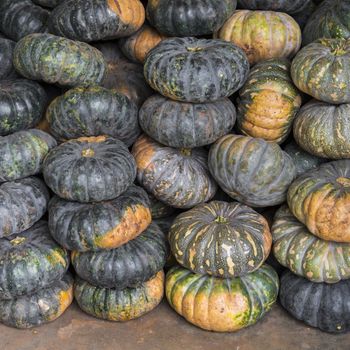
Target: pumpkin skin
220,239
321,305
196,70
268,101
48,3
222,305
119,305
177,177
252,171
319,199
7,71
104,225
159,209
57,60
22,153
286,6
89,169
262,34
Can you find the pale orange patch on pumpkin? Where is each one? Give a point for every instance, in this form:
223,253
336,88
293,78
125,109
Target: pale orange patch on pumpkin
267,238
143,152
44,126
92,139
65,298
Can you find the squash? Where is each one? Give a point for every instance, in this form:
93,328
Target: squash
305,254
89,169
7,71
22,153
262,34
119,305
178,177
268,101
287,6
159,209
48,3
93,111
222,305
196,70
319,199
220,239
321,305
44,306
57,60
252,171
97,226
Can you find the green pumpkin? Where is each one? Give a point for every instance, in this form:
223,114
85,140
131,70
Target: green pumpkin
7,71
287,6
159,209
48,3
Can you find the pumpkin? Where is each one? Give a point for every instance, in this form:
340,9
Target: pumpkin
320,70
322,129
22,153
268,101
7,70
159,209
307,255
30,261
186,125
90,169
220,239
321,305
196,70
103,225
262,34
22,203
194,18
93,111
110,51
286,6
218,304
119,305
22,103
178,177
21,17
252,171
319,199
57,60
48,3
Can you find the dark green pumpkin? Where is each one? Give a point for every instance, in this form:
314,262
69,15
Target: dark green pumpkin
287,6
159,209
196,70
7,71
48,3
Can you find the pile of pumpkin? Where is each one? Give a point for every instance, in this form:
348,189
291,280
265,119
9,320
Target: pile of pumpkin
80,80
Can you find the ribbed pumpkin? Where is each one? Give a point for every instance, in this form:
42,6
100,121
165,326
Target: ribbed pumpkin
186,125
90,169
104,225
321,305
57,60
220,239
159,209
268,101
22,153
262,34
196,70
93,111
177,177
320,200
119,305
222,305
250,170
48,3
7,71
288,6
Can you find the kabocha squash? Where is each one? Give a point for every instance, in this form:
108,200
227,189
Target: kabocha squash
321,305
119,305
159,209
96,226
196,70
220,239
268,101
222,305
250,170
48,3
93,111
22,153
305,254
7,71
57,60
286,6
41,307
177,177
262,34
186,125
320,200
89,169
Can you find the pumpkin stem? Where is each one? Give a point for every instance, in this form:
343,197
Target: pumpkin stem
186,152
17,240
88,152
221,220
194,49
343,181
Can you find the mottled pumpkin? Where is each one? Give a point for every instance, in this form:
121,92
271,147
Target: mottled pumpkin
222,305
252,171
119,305
48,3
159,209
177,177
57,60
7,71
262,34
268,101
90,169
196,70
